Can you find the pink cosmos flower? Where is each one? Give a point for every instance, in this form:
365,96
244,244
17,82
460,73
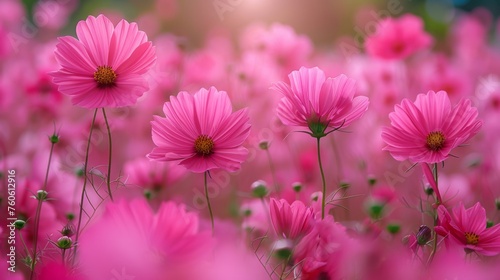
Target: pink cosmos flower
467,228
398,38
201,132
131,239
290,221
427,130
317,102
105,67
321,252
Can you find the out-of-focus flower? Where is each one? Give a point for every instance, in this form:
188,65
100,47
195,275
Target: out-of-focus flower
58,270
427,130
319,252
154,175
398,38
467,228
105,67
279,44
130,238
317,102
201,132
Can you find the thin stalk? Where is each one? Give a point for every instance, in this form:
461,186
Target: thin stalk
273,171
63,256
39,212
108,178
323,199
84,185
435,240
208,201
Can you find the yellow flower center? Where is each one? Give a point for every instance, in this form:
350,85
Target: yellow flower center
435,141
471,238
204,145
105,76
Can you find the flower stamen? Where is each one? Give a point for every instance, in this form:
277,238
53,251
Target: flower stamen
435,141
204,145
105,76
471,238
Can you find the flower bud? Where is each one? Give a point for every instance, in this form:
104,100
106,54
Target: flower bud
70,216
64,242
489,224
297,187
372,180
393,228
264,145
424,234
68,230
54,139
376,210
79,172
41,195
283,249
428,189
315,196
259,189
19,224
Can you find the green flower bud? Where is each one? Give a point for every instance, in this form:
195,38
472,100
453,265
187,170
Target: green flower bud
372,180
297,187
283,249
376,210
489,224
19,224
393,228
64,242
259,189
41,195
54,139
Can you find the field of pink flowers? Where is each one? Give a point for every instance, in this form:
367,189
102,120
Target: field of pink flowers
126,155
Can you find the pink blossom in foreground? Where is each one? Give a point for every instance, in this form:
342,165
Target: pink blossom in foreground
320,253
429,129
105,67
290,221
317,102
467,228
398,38
131,239
201,132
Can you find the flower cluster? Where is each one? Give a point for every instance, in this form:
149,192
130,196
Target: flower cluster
258,157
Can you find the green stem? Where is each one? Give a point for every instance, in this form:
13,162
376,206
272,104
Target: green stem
323,199
64,256
435,240
39,212
273,171
84,184
208,201
108,178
